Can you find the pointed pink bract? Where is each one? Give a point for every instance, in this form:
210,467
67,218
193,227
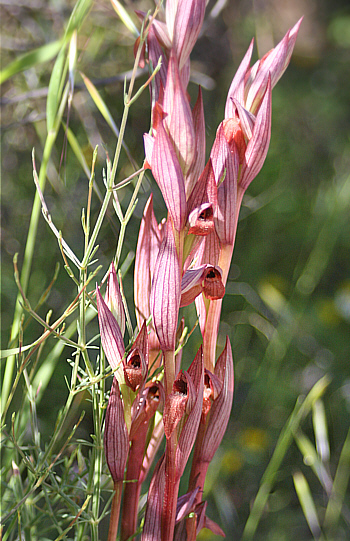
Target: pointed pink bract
148,244
166,291
116,439
221,407
114,300
188,22
259,144
168,174
178,119
225,162
111,336
190,428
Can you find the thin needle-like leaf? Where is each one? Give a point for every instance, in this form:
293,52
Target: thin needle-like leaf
102,107
55,88
308,505
340,484
125,17
100,104
312,459
321,431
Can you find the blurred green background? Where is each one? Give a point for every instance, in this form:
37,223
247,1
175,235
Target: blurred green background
287,308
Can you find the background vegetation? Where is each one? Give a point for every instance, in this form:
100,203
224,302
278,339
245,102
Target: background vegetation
287,308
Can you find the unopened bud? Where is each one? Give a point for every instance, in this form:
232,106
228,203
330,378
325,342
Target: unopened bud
234,136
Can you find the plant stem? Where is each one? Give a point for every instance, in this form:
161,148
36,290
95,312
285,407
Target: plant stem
97,458
171,483
112,176
115,510
126,219
29,249
133,485
199,468
214,312
171,489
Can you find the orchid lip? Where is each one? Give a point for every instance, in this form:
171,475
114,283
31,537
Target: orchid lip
201,220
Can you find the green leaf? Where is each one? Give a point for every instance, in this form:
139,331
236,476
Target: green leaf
77,17
60,68
28,60
312,459
125,17
55,89
321,431
72,140
307,504
341,480
79,154
102,107
100,104
284,441
15,351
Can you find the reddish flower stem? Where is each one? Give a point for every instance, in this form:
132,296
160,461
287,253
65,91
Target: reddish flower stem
169,371
133,487
115,510
199,468
191,528
171,489
171,484
214,312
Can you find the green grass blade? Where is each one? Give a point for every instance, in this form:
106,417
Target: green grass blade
55,89
79,154
125,17
29,249
307,504
60,68
32,58
312,459
100,104
15,351
102,107
74,144
321,431
77,17
284,441
340,484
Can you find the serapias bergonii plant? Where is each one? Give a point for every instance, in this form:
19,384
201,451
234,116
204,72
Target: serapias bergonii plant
186,258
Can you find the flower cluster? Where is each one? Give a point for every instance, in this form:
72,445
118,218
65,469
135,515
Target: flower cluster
184,259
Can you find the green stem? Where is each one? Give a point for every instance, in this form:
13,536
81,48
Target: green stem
126,219
29,249
112,176
64,414
97,460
